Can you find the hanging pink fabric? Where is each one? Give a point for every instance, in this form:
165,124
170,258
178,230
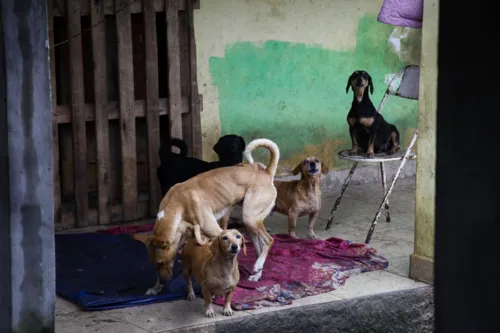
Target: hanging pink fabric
402,13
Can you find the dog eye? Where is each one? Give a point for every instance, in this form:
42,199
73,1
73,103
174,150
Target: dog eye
316,160
224,238
238,236
306,162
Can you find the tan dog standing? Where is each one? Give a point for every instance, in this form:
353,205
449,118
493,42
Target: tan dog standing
215,268
301,197
197,204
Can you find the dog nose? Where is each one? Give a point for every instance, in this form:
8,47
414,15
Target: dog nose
234,247
312,164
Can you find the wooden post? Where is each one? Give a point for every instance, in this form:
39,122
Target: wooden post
77,114
193,73
127,112
101,111
152,103
174,68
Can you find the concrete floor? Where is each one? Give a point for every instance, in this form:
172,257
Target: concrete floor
393,240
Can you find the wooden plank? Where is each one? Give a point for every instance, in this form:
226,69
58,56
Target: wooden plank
68,215
159,5
85,6
55,126
127,113
77,115
134,6
174,69
59,7
63,112
101,111
187,135
195,97
152,103
109,7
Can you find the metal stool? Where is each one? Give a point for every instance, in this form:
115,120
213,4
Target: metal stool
407,87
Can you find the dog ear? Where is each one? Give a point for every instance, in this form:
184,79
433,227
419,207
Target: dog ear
144,238
297,169
324,169
370,84
348,84
214,247
243,245
216,147
243,144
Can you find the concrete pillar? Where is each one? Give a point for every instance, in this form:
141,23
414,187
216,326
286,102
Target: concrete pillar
27,271
422,260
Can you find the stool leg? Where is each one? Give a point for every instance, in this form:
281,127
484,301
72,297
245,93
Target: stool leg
339,198
389,191
384,185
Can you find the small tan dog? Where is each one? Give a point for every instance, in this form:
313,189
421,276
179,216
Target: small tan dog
301,197
197,204
215,268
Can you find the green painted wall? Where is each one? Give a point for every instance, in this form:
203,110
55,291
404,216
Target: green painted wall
294,93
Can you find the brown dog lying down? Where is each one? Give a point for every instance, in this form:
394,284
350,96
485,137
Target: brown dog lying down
301,197
197,204
215,268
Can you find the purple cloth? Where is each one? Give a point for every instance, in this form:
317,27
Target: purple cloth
402,13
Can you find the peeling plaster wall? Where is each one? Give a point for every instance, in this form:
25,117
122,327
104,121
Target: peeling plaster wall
278,69
422,261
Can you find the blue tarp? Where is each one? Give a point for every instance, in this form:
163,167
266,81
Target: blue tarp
105,271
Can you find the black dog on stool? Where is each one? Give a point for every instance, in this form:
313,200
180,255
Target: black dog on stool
177,168
368,129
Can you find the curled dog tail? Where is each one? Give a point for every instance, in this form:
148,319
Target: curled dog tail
179,143
271,146
165,149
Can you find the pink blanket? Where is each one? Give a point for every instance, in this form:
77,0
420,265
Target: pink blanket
402,13
296,268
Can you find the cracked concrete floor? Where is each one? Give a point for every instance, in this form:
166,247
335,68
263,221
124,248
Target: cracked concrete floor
394,240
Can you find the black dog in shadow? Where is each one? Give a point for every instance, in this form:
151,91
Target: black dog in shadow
177,168
368,129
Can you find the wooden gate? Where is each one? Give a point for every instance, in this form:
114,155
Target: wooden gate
123,76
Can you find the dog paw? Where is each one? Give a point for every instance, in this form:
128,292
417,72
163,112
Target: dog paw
293,235
210,313
255,277
227,312
312,235
154,291
191,297
353,152
370,155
